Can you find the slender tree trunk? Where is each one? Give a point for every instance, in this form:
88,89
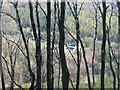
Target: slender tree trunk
1,69
12,83
38,50
109,50
32,76
65,71
82,48
53,41
93,57
12,73
49,60
37,38
111,67
86,64
78,50
103,46
59,67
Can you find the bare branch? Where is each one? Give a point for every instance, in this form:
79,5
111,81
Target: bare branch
10,74
42,10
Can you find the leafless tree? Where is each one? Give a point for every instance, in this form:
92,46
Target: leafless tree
18,22
109,49
49,59
37,38
65,71
94,42
103,45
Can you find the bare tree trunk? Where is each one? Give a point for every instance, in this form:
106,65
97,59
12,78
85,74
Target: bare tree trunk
111,67
59,67
38,50
82,47
65,71
77,44
32,76
12,73
93,57
53,40
103,46
86,64
109,50
37,38
49,60
1,70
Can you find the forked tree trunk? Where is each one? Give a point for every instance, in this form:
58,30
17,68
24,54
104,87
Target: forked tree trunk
65,71
32,76
110,50
38,50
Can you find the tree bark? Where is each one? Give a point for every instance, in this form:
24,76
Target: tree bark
94,44
65,71
38,51
103,46
78,48
49,59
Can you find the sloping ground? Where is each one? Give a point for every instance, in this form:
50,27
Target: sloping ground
73,67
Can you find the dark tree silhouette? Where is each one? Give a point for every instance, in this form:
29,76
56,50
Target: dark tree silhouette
94,44
103,45
77,44
18,21
65,71
49,60
109,49
75,15
37,38
38,49
54,62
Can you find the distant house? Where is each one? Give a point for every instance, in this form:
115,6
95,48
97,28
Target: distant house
72,47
